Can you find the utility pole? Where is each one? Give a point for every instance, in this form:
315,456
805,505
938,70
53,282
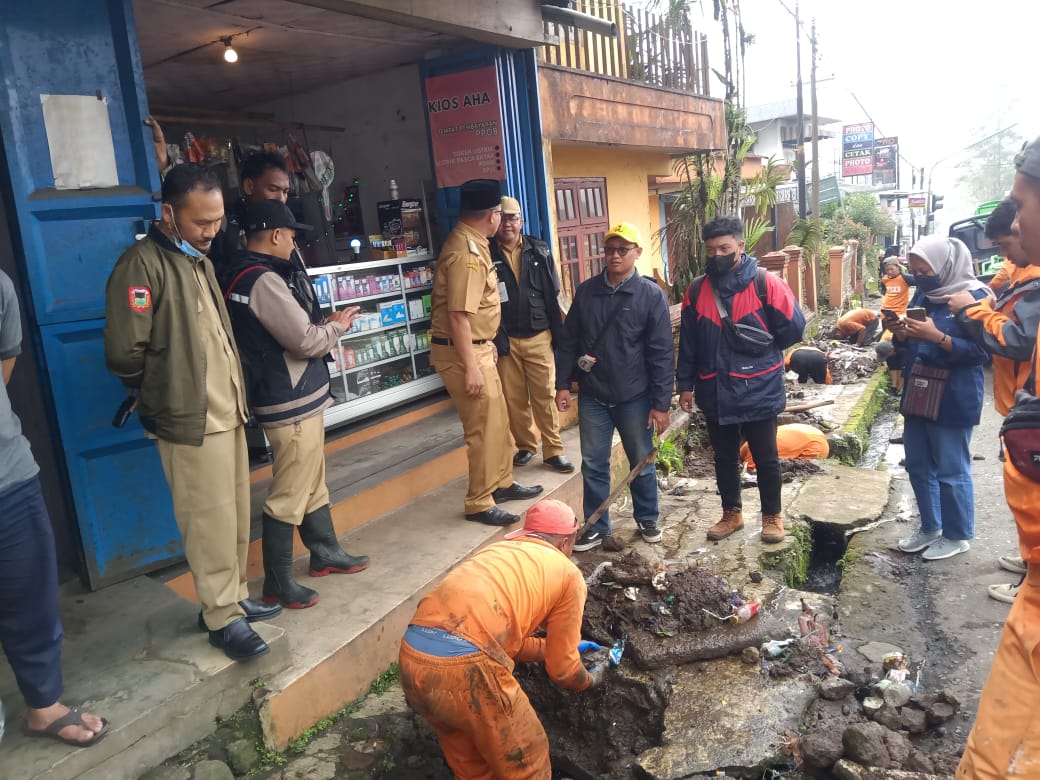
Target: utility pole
815,129
800,149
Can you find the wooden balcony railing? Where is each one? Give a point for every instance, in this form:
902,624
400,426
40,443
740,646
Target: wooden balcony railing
654,49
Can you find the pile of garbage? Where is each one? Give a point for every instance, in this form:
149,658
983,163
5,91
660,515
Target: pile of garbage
670,614
848,363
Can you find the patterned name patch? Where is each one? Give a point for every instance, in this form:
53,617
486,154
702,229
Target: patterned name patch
140,298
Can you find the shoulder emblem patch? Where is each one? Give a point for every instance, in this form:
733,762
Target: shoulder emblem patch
140,298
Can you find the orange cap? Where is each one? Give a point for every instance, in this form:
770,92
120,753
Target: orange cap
548,516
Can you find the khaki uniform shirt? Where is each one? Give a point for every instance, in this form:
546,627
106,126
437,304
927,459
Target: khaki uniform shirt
515,257
465,280
225,397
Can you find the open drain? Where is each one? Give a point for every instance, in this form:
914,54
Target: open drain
825,562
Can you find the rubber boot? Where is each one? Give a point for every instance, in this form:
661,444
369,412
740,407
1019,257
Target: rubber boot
279,585
327,557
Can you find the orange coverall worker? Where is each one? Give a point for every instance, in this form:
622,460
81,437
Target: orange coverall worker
1005,740
1004,275
1006,328
897,294
855,322
794,442
495,601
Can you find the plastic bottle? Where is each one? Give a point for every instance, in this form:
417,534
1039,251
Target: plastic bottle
747,611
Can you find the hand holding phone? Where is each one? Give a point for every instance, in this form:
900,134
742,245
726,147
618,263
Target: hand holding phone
916,313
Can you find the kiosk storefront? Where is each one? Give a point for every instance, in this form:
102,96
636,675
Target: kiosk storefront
381,118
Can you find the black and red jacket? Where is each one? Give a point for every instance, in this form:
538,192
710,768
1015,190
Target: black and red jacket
730,387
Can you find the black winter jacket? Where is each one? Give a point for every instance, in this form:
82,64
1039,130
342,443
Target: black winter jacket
532,306
636,354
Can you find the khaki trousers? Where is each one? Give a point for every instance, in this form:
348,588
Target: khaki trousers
298,482
485,424
528,375
210,489
1005,740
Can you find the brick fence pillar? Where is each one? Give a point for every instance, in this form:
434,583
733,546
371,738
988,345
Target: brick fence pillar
837,273
796,272
775,262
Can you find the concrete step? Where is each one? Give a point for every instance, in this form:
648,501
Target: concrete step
352,635
134,655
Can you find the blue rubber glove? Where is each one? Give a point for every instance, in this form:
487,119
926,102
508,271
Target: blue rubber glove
585,647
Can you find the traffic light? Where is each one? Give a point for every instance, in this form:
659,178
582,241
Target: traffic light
937,203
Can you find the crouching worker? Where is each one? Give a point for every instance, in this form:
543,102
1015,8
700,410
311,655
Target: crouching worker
796,441
458,653
284,338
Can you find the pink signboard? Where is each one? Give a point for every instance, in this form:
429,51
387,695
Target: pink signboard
465,126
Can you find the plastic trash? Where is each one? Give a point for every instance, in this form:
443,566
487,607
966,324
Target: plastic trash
775,648
617,651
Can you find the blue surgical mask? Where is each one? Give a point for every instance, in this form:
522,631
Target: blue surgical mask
181,243
928,283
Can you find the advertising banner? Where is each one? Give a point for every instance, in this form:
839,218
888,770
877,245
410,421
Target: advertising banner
886,162
465,126
857,150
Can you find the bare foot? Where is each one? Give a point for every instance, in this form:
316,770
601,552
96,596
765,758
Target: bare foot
39,719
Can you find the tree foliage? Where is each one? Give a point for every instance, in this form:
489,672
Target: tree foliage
987,171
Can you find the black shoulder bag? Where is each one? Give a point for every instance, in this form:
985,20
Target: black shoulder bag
745,339
1020,433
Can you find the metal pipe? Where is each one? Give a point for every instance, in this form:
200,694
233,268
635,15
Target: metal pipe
595,24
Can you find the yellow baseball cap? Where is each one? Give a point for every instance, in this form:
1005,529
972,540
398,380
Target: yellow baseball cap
625,231
510,205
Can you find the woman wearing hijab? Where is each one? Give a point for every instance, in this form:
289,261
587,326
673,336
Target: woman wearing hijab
942,398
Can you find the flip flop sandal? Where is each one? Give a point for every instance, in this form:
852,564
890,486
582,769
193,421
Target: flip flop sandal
74,717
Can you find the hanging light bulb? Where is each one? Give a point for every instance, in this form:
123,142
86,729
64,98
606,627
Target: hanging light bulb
230,55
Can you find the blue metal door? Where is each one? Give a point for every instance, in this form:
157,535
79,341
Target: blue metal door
69,241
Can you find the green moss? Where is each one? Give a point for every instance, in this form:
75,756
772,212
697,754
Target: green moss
853,438
794,562
385,681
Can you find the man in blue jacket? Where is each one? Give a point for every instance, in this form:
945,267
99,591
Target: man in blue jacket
617,343
736,322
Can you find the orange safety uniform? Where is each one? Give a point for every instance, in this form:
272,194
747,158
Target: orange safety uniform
897,294
496,600
855,322
1005,740
1006,329
803,375
796,441
1003,276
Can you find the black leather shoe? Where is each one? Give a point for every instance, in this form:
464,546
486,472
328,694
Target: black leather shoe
559,463
239,641
255,612
522,458
493,516
516,492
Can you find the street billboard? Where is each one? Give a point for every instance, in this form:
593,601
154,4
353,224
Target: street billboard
857,150
886,162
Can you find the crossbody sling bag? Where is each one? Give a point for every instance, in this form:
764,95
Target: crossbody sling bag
1020,433
745,339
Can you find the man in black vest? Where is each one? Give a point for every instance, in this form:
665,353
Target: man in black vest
283,339
531,323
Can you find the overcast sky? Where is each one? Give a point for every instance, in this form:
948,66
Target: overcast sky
939,75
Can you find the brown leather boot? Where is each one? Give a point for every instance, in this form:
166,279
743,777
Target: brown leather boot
773,529
731,522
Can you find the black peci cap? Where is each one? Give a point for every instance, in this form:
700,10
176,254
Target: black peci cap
480,195
268,215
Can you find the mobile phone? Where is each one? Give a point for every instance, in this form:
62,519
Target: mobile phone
888,314
916,313
124,411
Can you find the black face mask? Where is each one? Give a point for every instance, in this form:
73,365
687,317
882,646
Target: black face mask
720,264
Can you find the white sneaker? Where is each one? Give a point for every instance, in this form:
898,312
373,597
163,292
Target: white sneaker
945,548
918,541
1005,592
1012,563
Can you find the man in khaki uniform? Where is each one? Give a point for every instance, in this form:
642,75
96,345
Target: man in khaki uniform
465,317
531,325
168,337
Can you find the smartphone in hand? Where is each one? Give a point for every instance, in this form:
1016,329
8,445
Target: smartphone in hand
916,313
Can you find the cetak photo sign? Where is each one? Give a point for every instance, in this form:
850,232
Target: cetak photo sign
465,123
857,150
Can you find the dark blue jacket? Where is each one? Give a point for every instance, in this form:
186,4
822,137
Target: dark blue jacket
730,387
635,356
961,405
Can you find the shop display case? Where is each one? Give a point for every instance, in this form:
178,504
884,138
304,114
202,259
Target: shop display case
384,360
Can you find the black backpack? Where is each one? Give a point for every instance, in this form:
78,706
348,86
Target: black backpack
760,286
